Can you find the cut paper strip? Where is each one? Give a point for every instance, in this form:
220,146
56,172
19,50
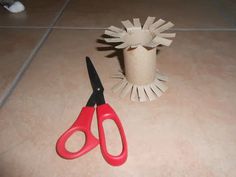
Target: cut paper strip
141,94
137,23
135,35
134,46
161,85
117,87
152,44
161,77
134,93
141,80
148,22
121,46
151,95
113,34
163,41
116,29
157,91
164,27
168,35
118,75
120,85
126,90
128,25
111,40
156,24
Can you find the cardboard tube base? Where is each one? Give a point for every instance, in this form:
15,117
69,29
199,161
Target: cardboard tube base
140,93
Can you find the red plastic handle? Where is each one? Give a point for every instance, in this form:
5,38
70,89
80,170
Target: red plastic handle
106,112
82,123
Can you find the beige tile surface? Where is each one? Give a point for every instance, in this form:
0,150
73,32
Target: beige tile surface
185,14
189,131
15,47
229,10
37,13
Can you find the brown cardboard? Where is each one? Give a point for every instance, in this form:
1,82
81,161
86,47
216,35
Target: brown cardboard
141,79
150,94
156,24
126,90
140,65
137,23
141,92
148,23
134,93
150,35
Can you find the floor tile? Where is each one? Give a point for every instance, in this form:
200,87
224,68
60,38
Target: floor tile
184,14
213,58
37,13
187,132
15,47
228,10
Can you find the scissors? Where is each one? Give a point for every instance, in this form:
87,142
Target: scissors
83,123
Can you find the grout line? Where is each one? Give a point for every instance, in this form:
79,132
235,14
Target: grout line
79,28
30,58
103,28
174,29
24,27
203,29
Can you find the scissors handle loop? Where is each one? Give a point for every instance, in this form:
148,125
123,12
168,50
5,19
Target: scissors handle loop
105,112
82,124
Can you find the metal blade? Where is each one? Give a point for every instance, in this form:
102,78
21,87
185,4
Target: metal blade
95,82
91,101
93,75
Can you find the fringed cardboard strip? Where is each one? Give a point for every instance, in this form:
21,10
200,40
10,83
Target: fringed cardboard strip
137,23
111,40
168,35
160,40
156,24
163,87
120,85
126,90
150,94
164,27
113,34
134,93
141,93
119,75
141,80
122,46
160,76
148,22
128,25
156,90
155,28
116,29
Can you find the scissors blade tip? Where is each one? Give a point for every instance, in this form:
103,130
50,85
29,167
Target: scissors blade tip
88,60
93,75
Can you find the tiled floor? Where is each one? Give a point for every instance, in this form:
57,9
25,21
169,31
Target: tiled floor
189,131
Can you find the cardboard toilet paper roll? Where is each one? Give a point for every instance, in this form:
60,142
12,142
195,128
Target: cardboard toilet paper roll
140,65
141,80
